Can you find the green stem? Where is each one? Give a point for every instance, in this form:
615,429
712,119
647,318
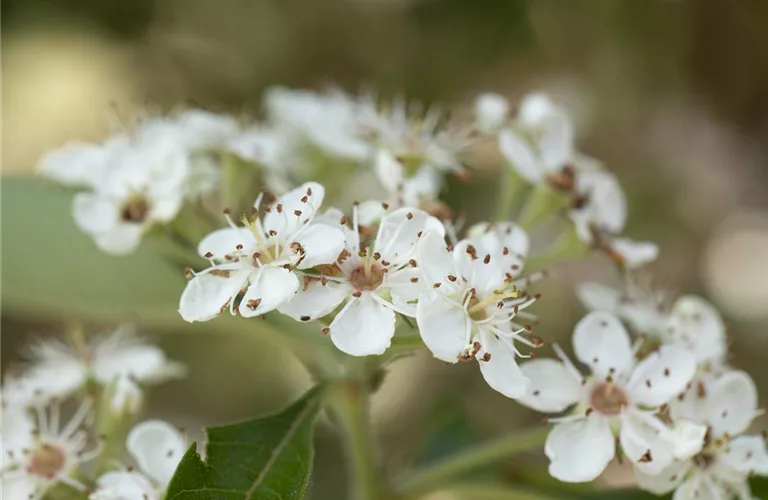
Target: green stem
450,468
510,186
350,404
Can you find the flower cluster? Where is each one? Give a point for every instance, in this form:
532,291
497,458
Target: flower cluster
107,375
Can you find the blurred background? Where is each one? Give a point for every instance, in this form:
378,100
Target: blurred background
671,95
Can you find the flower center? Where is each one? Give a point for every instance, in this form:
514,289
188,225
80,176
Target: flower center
367,277
476,313
135,210
704,460
47,461
608,399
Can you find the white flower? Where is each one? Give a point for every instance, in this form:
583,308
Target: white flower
375,282
644,309
470,303
619,397
697,326
329,120
492,112
719,468
600,206
56,370
539,145
156,447
38,455
262,258
423,186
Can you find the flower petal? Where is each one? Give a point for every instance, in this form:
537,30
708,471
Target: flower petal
222,242
157,448
746,454
552,387
635,254
492,111
364,327
285,221
207,294
322,244
643,444
666,480
579,451
597,297
696,324
435,261
75,164
270,288
520,156
123,485
94,214
399,232
443,326
501,371
661,376
731,403
404,292
121,239
22,486
389,171
315,300
602,342
18,432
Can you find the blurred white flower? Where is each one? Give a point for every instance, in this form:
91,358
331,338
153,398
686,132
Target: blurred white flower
726,404
140,178
470,302
600,205
620,396
57,370
156,447
262,257
539,143
491,112
406,191
375,282
643,308
632,254
38,455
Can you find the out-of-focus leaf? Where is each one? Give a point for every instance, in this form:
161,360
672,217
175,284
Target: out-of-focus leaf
50,268
265,458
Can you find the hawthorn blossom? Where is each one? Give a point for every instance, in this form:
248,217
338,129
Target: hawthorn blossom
470,303
139,179
157,448
39,454
118,359
599,207
690,322
620,397
725,458
262,259
374,282
539,143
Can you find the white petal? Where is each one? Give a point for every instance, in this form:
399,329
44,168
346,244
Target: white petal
399,232
602,342
286,222
94,214
697,325
123,485
641,436
404,292
364,327
597,297
520,155
694,488
270,288
157,448
225,241
579,451
731,403
665,481
635,254
322,244
606,207
23,486
121,239
435,261
56,378
443,326
207,294
166,208
492,111
747,454
315,300
370,212
687,438
501,371
126,396
142,362
555,141
552,388
535,109
389,171
75,164
661,376
18,432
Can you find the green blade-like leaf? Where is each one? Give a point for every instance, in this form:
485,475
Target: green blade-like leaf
265,458
50,268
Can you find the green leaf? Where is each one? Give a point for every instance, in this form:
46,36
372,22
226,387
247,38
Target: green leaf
265,458
50,268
